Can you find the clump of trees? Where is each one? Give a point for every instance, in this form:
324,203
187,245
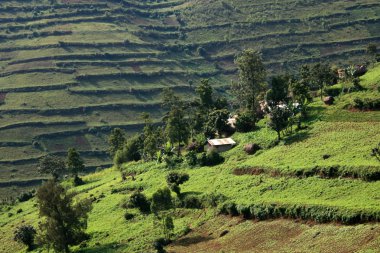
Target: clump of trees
53,165
185,121
56,166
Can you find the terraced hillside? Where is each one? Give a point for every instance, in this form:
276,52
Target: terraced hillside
71,70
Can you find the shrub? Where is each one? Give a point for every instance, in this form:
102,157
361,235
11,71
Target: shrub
229,208
130,152
175,179
366,103
159,244
213,199
245,122
211,158
77,181
25,196
191,201
139,200
25,234
191,158
172,161
129,216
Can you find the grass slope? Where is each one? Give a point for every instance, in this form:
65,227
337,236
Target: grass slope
105,62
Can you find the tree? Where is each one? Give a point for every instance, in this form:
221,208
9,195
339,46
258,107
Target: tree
278,93
139,200
25,234
64,221
151,137
278,119
74,162
116,140
130,152
169,99
321,75
177,129
161,201
372,51
251,84
174,179
300,93
217,123
245,122
204,90
53,165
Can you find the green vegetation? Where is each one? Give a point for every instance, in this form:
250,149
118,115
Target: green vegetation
147,84
104,63
326,171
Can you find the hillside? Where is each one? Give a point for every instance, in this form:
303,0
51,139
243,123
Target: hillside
73,70
316,191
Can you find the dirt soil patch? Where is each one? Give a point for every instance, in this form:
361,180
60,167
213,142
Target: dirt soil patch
277,236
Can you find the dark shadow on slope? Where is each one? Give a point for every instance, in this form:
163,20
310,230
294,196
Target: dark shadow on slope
104,248
187,241
297,137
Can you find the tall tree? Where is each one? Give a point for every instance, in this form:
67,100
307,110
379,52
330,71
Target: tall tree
64,221
278,93
53,165
300,93
204,90
372,51
151,136
322,76
170,99
278,119
251,84
74,162
217,123
116,140
177,129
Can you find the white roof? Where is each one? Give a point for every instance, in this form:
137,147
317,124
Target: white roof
221,142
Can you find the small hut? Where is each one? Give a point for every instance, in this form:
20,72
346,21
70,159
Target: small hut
221,145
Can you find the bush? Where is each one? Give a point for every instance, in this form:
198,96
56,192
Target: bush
191,158
139,200
159,245
77,181
130,152
245,122
129,216
191,201
213,199
320,214
366,103
172,161
211,158
25,234
25,196
175,179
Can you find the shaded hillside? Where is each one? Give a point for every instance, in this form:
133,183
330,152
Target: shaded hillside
71,71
